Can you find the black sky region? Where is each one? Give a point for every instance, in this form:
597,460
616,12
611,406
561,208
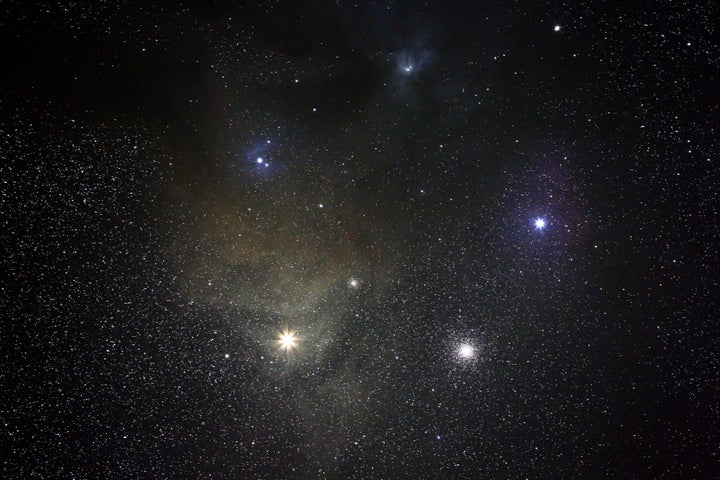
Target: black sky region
490,228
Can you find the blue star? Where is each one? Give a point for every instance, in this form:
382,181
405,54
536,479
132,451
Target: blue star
261,155
412,60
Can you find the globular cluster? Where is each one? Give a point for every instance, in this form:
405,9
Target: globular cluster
338,240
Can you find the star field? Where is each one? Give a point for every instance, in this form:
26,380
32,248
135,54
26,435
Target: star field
341,240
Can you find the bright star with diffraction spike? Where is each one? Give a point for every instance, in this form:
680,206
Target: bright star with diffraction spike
287,340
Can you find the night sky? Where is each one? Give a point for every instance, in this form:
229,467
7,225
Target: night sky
360,240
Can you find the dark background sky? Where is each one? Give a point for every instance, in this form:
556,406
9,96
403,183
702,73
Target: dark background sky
182,183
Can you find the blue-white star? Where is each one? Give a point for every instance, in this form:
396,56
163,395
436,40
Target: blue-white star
540,223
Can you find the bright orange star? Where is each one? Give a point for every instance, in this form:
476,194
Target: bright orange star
287,340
